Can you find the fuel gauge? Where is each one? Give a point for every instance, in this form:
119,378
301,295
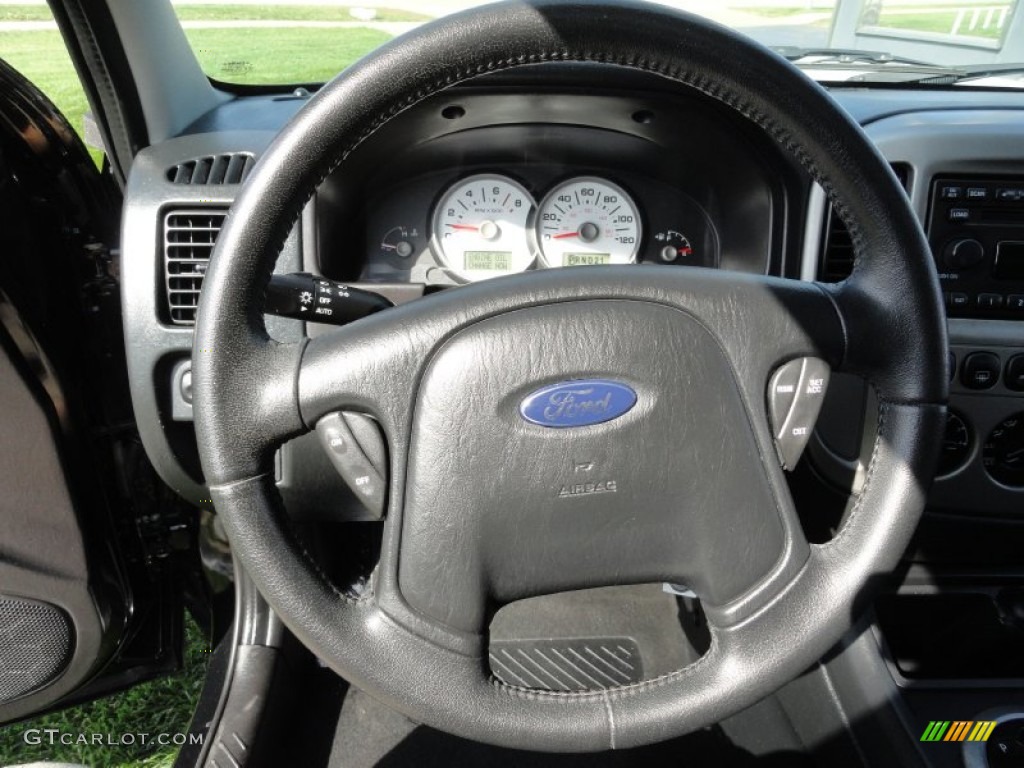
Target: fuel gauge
675,247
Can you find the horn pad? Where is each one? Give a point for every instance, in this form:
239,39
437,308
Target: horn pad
670,488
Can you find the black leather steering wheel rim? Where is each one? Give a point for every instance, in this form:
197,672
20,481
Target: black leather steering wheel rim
885,323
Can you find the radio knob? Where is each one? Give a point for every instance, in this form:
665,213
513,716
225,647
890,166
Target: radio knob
963,254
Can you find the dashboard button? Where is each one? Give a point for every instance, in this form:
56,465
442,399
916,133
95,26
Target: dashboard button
1015,302
782,390
185,385
963,254
959,214
977,193
990,300
980,370
1011,195
958,300
951,193
1014,376
956,444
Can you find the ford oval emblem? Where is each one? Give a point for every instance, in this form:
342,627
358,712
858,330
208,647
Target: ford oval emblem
577,403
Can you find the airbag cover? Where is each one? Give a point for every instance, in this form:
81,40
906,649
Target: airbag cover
501,508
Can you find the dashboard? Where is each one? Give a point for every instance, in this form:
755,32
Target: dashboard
531,172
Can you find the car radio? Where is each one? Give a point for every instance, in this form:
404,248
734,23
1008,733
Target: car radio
976,232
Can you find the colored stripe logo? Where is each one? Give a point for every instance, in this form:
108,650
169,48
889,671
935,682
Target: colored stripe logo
958,730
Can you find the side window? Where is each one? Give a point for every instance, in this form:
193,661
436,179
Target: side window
31,43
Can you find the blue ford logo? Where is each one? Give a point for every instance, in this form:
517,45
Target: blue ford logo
577,403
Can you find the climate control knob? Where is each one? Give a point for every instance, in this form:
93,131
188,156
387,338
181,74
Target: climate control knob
963,254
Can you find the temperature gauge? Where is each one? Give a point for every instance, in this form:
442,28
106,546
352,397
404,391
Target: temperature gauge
399,241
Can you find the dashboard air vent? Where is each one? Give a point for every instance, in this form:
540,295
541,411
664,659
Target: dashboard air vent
189,237
837,253
230,168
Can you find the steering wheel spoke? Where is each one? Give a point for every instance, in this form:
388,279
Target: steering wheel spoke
366,367
259,387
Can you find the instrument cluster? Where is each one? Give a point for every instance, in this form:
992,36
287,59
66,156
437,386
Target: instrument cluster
487,224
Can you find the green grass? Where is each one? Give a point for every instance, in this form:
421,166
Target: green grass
231,12
774,12
272,56
159,706
257,56
936,22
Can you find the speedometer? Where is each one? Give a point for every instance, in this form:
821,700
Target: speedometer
586,221
480,228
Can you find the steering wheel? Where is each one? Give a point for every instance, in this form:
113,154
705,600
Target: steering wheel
476,517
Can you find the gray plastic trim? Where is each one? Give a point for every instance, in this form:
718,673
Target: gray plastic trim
817,207
173,91
152,345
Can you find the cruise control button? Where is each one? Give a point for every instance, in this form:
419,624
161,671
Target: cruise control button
980,370
794,414
1014,376
782,390
351,463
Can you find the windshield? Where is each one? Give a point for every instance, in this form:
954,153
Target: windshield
901,40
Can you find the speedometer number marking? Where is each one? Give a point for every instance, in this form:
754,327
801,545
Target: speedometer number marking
587,221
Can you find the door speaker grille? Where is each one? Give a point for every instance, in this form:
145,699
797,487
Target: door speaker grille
35,646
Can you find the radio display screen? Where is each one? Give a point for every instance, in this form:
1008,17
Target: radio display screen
1009,261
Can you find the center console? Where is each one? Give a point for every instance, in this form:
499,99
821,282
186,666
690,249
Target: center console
976,231
946,639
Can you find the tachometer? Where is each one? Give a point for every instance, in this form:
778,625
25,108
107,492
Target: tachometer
480,227
586,221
